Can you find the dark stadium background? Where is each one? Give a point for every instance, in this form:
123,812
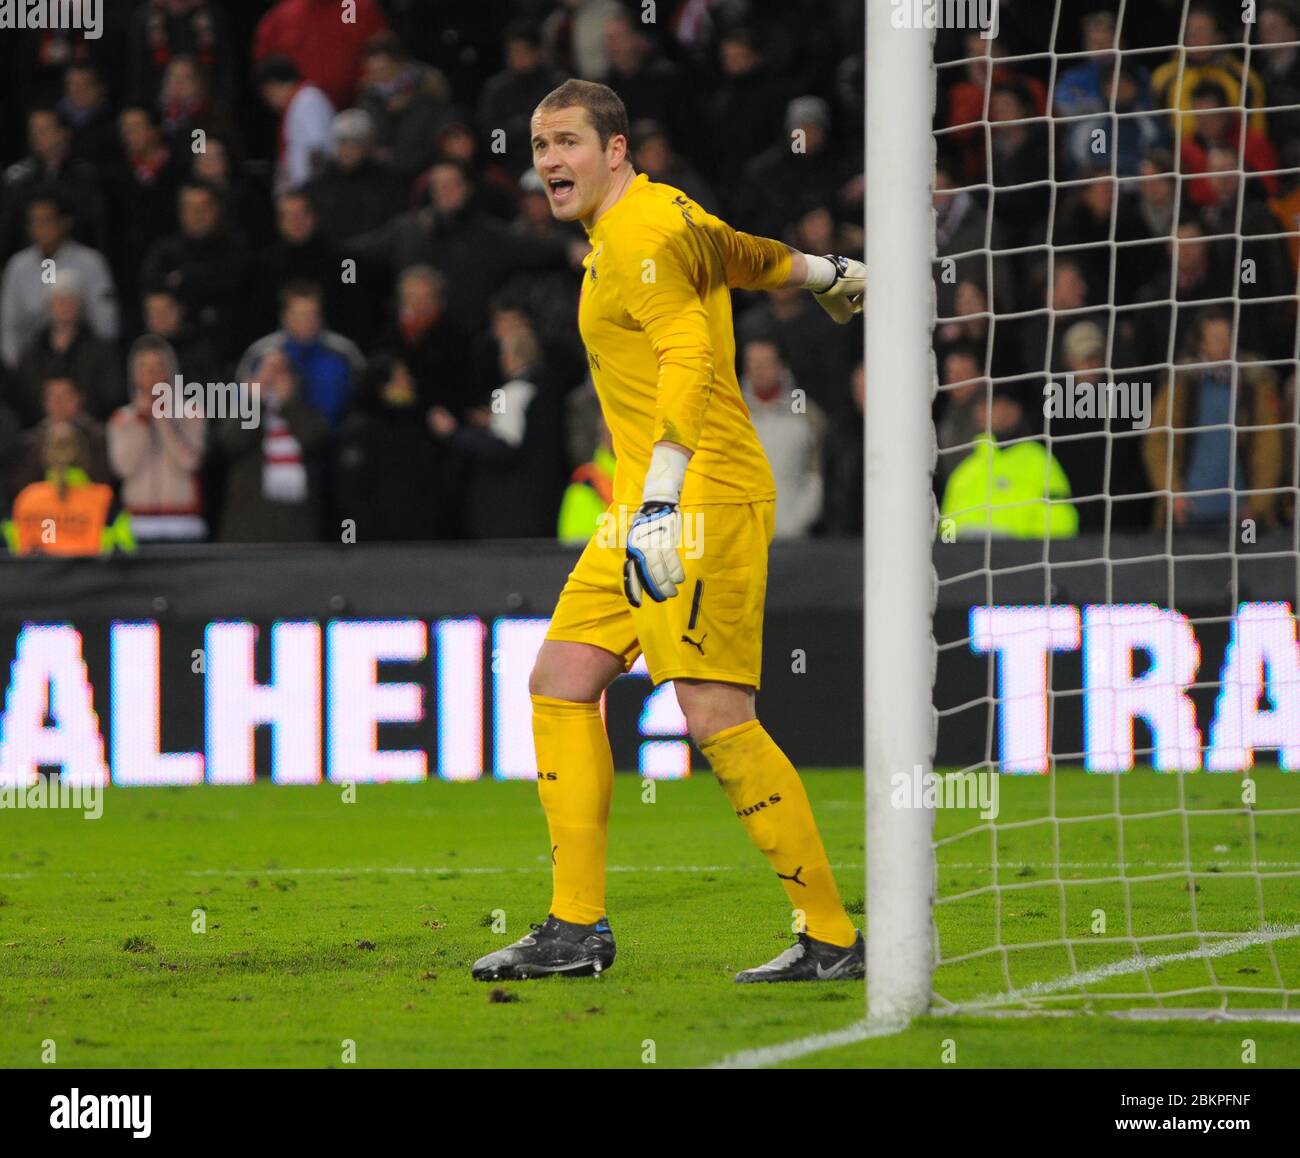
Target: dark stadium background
723,84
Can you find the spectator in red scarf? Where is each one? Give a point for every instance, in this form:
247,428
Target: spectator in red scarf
327,50
1218,125
185,104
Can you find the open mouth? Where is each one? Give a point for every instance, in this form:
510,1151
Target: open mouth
561,189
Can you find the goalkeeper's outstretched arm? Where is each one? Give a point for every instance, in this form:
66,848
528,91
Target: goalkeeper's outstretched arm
838,283
762,263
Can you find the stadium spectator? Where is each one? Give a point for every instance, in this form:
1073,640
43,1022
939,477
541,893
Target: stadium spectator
355,192
475,252
50,164
186,106
300,252
820,354
584,424
407,102
1196,268
1203,59
508,98
961,228
513,449
328,51
653,154
62,405
324,362
165,317
273,481
792,429
970,326
744,110
1090,216
1010,485
1019,157
1071,297
1276,59
1091,86
144,200
206,264
815,230
66,511
1083,86
246,208
431,346
1157,193
842,514
647,82
574,36
27,279
65,347
966,100
157,450
799,170
1236,207
84,108
1218,126
305,121
962,383
1189,451
495,191
1112,412
390,462
164,29
590,491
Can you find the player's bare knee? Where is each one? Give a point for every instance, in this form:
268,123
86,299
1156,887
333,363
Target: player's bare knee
711,708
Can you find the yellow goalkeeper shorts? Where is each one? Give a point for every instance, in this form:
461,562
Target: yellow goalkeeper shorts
712,629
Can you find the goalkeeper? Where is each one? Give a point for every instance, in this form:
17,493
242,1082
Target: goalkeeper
679,571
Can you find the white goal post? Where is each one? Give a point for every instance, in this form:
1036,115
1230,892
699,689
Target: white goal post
1127,653
899,519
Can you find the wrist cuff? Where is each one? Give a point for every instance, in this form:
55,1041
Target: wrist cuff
821,273
665,475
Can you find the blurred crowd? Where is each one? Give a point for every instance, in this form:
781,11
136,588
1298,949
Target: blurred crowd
343,213
1120,220
338,215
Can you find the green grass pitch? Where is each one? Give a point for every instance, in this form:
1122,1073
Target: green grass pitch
328,922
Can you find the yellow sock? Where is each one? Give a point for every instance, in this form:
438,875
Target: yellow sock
575,780
770,800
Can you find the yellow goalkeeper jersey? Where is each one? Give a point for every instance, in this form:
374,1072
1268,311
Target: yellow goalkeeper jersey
655,316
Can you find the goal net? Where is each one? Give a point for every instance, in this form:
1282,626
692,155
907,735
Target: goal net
1113,800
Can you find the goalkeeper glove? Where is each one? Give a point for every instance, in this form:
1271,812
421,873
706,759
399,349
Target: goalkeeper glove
653,567
841,294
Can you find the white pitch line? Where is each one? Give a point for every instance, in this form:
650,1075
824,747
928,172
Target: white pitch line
771,1055
864,1030
1138,964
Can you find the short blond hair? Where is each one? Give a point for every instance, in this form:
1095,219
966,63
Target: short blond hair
605,108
